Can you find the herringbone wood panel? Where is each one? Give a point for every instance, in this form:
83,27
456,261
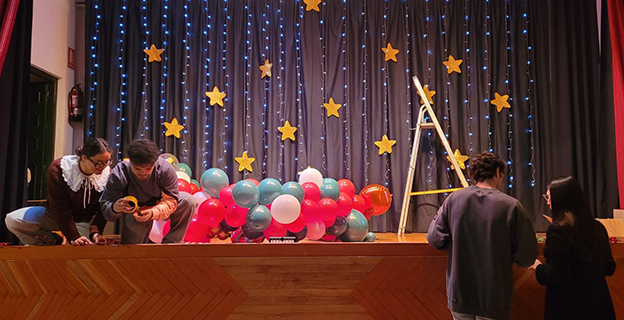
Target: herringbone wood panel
118,289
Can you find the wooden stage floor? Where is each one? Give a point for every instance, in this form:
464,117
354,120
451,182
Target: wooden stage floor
389,279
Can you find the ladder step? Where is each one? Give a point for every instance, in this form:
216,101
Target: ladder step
427,125
420,193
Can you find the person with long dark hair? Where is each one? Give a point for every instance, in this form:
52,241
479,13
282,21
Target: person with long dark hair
578,257
75,183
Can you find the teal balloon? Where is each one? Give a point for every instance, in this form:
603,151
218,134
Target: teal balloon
245,194
258,218
186,169
357,227
269,190
213,180
195,182
330,189
294,189
370,237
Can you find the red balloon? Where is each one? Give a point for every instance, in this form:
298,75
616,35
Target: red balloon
329,237
329,223
196,231
297,225
309,209
167,227
254,181
345,204
367,214
275,229
226,195
235,216
359,204
347,187
311,191
328,209
183,185
211,212
379,197
194,188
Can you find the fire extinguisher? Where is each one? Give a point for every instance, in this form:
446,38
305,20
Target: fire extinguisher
75,102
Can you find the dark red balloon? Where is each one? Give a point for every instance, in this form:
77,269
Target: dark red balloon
194,188
183,185
211,212
311,191
359,203
328,209
310,210
346,186
345,204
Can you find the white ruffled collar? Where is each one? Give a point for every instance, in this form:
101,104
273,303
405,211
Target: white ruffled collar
76,179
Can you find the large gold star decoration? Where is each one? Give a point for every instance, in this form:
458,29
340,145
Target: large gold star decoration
287,131
312,5
500,102
266,69
453,65
460,159
216,96
173,128
390,53
428,93
385,145
153,53
332,108
244,162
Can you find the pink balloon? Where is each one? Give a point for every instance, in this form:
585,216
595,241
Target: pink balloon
316,230
346,186
211,212
309,209
297,225
311,191
254,181
328,208
235,216
226,196
345,204
359,203
275,229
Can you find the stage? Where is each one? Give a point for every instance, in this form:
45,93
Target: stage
391,278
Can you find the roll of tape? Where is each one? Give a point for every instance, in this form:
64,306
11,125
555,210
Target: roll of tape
133,202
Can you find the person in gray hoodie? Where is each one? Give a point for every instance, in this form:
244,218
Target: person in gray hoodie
153,183
484,231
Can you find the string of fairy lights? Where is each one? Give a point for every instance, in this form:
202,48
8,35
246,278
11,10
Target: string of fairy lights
263,13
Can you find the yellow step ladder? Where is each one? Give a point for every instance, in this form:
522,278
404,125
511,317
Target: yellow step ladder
422,125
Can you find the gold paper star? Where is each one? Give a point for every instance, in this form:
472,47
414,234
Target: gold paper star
500,101
428,93
173,128
312,5
460,159
332,108
153,53
390,53
287,131
385,145
216,96
453,65
266,69
244,162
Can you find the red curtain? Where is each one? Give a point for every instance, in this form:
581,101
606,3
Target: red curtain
616,27
8,11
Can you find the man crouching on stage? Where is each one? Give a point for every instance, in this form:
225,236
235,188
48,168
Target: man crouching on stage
154,183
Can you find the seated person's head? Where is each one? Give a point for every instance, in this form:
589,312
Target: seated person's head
143,154
485,166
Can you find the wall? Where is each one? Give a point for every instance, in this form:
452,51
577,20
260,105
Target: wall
53,31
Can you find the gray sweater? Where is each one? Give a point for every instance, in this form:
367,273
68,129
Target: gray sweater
122,182
484,231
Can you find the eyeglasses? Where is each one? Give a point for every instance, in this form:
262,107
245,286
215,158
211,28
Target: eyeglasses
100,165
546,196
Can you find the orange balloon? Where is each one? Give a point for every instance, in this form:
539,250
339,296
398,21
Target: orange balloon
379,197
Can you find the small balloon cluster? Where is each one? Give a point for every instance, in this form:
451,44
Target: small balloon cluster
250,211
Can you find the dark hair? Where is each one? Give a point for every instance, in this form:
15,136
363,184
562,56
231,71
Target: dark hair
142,152
483,166
93,147
570,209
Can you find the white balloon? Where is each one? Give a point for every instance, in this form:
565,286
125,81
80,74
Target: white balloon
184,176
285,209
311,175
156,234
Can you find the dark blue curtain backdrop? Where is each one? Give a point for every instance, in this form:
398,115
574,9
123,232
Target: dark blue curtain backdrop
546,58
